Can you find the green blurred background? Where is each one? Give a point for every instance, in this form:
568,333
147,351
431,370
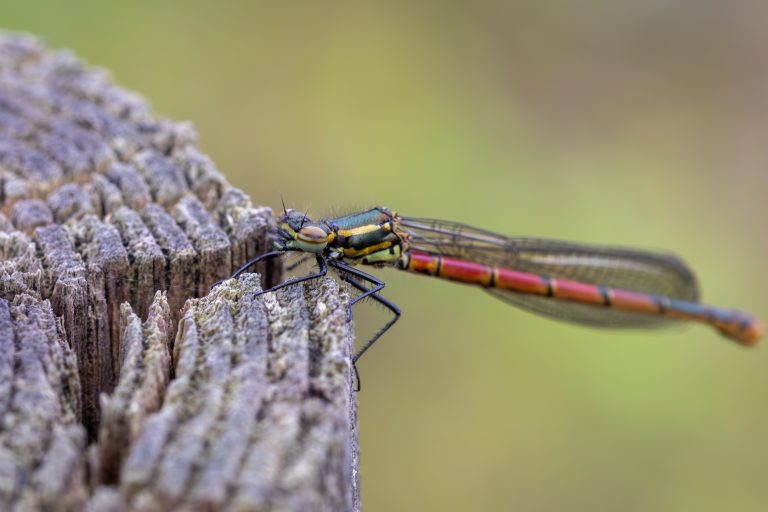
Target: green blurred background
639,123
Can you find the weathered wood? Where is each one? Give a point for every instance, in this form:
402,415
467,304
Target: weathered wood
125,382
181,258
20,270
165,180
28,214
147,262
144,376
104,195
130,183
210,242
65,285
70,202
106,261
41,440
259,403
248,229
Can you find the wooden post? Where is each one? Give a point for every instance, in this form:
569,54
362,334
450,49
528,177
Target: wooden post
125,384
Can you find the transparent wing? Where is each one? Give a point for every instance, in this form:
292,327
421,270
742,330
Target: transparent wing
614,267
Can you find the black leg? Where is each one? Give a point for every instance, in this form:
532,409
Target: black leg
310,277
263,257
373,295
378,283
320,263
391,306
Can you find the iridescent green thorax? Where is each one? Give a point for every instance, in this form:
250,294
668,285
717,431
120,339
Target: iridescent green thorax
376,215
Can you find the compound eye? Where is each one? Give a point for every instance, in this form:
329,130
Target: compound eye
312,238
312,234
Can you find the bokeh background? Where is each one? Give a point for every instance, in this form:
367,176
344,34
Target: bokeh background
638,123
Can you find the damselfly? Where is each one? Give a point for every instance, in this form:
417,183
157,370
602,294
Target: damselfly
591,285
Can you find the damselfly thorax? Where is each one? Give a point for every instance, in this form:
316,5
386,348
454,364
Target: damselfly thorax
599,286
372,237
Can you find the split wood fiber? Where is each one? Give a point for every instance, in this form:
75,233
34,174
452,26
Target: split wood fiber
125,383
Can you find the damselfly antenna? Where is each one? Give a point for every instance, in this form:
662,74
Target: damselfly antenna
304,219
285,210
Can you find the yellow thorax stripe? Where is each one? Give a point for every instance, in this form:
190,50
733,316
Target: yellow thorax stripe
361,230
351,253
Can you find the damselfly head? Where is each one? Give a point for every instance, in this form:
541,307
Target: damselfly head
296,232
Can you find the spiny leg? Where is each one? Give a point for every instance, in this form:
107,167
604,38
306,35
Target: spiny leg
378,283
391,306
381,300
375,296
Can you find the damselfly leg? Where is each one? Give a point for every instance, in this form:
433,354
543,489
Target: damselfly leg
249,264
378,284
320,263
346,270
323,271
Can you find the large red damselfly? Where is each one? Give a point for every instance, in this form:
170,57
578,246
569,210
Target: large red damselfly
590,285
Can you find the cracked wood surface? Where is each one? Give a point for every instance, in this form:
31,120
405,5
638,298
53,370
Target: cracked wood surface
124,383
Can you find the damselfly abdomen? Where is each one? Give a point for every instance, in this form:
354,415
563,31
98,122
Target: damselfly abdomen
591,285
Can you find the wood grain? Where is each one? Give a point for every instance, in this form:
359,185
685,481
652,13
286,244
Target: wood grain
125,382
